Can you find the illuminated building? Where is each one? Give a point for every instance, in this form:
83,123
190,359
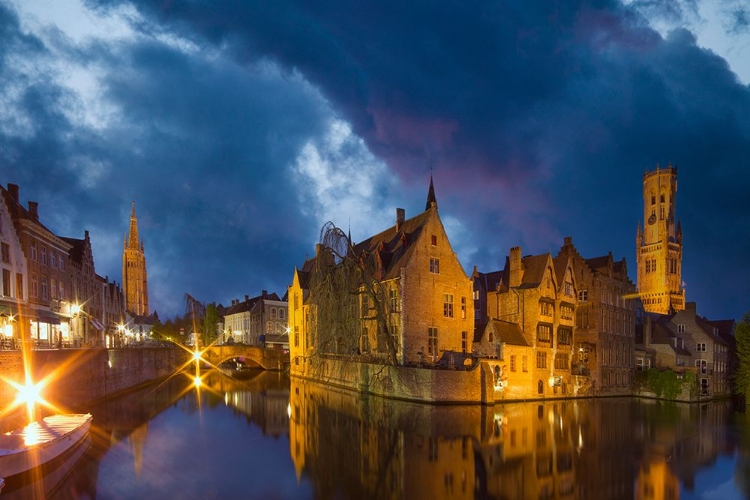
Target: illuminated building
256,320
659,245
419,289
605,321
134,279
531,308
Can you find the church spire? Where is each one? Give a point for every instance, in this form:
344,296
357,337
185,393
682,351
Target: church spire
133,239
431,196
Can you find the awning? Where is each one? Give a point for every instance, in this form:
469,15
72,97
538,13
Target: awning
45,317
96,324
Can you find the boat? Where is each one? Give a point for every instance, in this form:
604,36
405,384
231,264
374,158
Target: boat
44,481
40,442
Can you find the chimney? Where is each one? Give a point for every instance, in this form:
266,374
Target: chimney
34,210
516,271
690,308
400,217
247,298
568,241
264,293
13,191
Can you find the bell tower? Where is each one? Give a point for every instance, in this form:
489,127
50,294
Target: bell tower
134,281
659,244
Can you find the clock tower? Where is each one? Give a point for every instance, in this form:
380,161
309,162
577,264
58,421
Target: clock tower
659,244
134,279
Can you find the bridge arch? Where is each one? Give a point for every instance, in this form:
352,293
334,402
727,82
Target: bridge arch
267,359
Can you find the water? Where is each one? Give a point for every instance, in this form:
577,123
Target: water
269,438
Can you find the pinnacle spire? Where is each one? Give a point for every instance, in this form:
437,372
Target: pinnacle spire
431,195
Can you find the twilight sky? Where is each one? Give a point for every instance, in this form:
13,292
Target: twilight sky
240,128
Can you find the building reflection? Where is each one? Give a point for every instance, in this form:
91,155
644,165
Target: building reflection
349,446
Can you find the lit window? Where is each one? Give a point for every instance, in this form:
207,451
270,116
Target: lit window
434,265
583,296
448,305
463,307
432,341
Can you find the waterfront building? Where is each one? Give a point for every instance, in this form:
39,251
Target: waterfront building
531,308
687,344
86,294
14,291
605,321
256,320
409,300
237,320
134,277
44,318
659,245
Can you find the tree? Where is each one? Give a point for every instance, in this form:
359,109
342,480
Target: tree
742,377
351,300
210,324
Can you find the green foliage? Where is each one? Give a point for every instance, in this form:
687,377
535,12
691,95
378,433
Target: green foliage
742,376
210,324
665,384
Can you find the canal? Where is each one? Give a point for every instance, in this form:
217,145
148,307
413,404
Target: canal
267,437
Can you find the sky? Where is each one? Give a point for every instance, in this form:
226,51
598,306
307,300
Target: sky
240,128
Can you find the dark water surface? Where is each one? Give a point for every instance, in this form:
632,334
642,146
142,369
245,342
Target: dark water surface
268,437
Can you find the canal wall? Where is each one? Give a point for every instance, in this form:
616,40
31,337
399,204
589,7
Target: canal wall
76,376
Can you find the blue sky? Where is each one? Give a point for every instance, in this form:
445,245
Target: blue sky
240,128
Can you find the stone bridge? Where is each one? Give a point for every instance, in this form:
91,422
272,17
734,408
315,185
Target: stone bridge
268,359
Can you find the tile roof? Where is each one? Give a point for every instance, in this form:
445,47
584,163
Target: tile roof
510,333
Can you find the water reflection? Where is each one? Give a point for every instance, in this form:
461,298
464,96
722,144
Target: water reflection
352,447
267,437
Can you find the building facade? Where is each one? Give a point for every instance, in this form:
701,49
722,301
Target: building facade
414,306
532,309
605,321
134,277
659,245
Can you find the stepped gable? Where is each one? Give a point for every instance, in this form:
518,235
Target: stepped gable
77,248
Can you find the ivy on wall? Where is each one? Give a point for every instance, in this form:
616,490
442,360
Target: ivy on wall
666,384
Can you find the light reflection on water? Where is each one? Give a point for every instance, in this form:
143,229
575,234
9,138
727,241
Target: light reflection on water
267,437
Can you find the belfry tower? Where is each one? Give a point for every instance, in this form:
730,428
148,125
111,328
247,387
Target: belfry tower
659,244
134,281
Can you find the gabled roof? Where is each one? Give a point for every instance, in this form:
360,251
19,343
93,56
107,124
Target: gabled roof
393,247
560,265
243,306
78,248
534,267
508,332
487,281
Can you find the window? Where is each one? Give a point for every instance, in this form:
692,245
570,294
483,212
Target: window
33,250
476,294
393,298
583,296
464,338
45,288
432,341
544,333
546,309
6,283
700,347
5,252
273,313
463,307
702,364
513,362
44,255
434,265
61,295
296,336
34,285
448,305
564,336
365,340
61,263
52,258
433,240
524,364
561,361
680,328
566,312
53,288
541,359
639,364
282,314
19,286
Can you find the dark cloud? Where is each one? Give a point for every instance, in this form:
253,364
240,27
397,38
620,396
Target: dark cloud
537,118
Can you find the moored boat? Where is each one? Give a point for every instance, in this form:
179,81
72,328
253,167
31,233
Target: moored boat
39,442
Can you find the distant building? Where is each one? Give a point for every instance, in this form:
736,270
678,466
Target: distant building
659,245
134,278
689,344
605,321
255,321
419,290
